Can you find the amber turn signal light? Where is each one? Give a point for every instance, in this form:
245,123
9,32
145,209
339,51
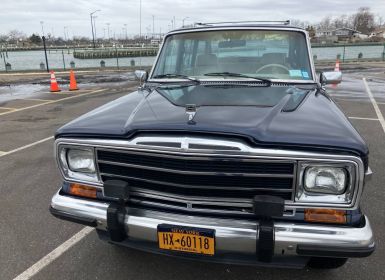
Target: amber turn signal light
82,190
325,216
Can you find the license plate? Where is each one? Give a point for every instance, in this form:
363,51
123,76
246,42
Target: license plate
186,239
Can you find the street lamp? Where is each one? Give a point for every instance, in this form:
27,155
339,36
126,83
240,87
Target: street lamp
96,34
125,27
140,20
65,33
92,27
42,27
108,30
184,20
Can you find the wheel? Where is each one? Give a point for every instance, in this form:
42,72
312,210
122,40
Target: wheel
326,263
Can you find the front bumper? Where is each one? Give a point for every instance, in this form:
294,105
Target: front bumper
235,240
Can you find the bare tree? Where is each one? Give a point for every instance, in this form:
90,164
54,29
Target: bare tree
342,21
15,35
299,23
325,23
363,20
379,21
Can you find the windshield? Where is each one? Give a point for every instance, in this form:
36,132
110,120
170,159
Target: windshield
270,54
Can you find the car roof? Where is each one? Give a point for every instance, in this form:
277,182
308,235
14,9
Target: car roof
225,25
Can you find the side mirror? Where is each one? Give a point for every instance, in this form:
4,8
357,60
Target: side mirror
332,77
141,75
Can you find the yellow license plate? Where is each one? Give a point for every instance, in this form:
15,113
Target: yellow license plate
186,239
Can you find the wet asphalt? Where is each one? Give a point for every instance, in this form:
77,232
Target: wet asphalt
29,178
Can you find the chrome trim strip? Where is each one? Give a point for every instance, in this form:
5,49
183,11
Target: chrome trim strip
231,235
245,209
195,200
149,151
193,186
245,152
196,172
177,197
368,175
193,210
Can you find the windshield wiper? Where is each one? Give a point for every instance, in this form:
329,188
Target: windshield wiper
180,76
230,74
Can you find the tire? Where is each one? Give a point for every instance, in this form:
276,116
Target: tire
326,263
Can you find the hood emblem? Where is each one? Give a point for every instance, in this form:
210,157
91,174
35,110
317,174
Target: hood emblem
191,110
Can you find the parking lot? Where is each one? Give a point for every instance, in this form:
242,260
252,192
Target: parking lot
35,243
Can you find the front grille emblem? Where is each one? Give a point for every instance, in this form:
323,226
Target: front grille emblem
189,205
191,110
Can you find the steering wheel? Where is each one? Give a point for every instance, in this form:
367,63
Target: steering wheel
274,66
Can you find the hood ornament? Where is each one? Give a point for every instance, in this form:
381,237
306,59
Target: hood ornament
191,110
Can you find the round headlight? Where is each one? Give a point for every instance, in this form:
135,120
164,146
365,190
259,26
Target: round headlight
330,180
81,160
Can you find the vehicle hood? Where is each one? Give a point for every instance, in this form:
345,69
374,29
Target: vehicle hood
316,122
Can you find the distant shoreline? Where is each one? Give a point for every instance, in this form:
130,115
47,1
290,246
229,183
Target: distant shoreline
66,48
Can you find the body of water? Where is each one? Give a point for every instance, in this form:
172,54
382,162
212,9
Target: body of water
30,60
351,52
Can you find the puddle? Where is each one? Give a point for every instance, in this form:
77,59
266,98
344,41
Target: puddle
12,92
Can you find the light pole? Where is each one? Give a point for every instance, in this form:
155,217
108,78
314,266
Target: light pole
153,26
108,30
65,33
184,20
96,34
140,20
42,27
92,27
125,27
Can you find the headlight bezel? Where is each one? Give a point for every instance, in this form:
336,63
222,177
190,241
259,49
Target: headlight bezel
345,199
91,178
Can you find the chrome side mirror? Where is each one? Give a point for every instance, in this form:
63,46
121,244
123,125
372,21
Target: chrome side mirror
332,77
141,75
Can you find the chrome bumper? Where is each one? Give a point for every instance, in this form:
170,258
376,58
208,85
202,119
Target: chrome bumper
231,236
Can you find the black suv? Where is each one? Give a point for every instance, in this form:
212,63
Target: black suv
230,151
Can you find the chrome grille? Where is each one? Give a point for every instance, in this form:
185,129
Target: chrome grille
194,183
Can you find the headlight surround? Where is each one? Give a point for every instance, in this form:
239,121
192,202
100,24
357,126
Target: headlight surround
326,183
77,163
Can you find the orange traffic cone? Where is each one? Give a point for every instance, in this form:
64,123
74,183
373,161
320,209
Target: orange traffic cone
337,67
54,84
73,84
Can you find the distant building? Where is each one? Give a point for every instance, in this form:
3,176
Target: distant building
348,34
339,34
324,37
323,33
155,42
380,33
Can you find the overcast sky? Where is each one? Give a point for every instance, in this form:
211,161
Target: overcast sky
26,15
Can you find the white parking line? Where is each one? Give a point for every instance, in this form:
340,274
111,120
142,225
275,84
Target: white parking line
367,119
375,105
25,147
53,255
51,101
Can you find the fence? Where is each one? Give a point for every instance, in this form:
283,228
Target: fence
63,59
